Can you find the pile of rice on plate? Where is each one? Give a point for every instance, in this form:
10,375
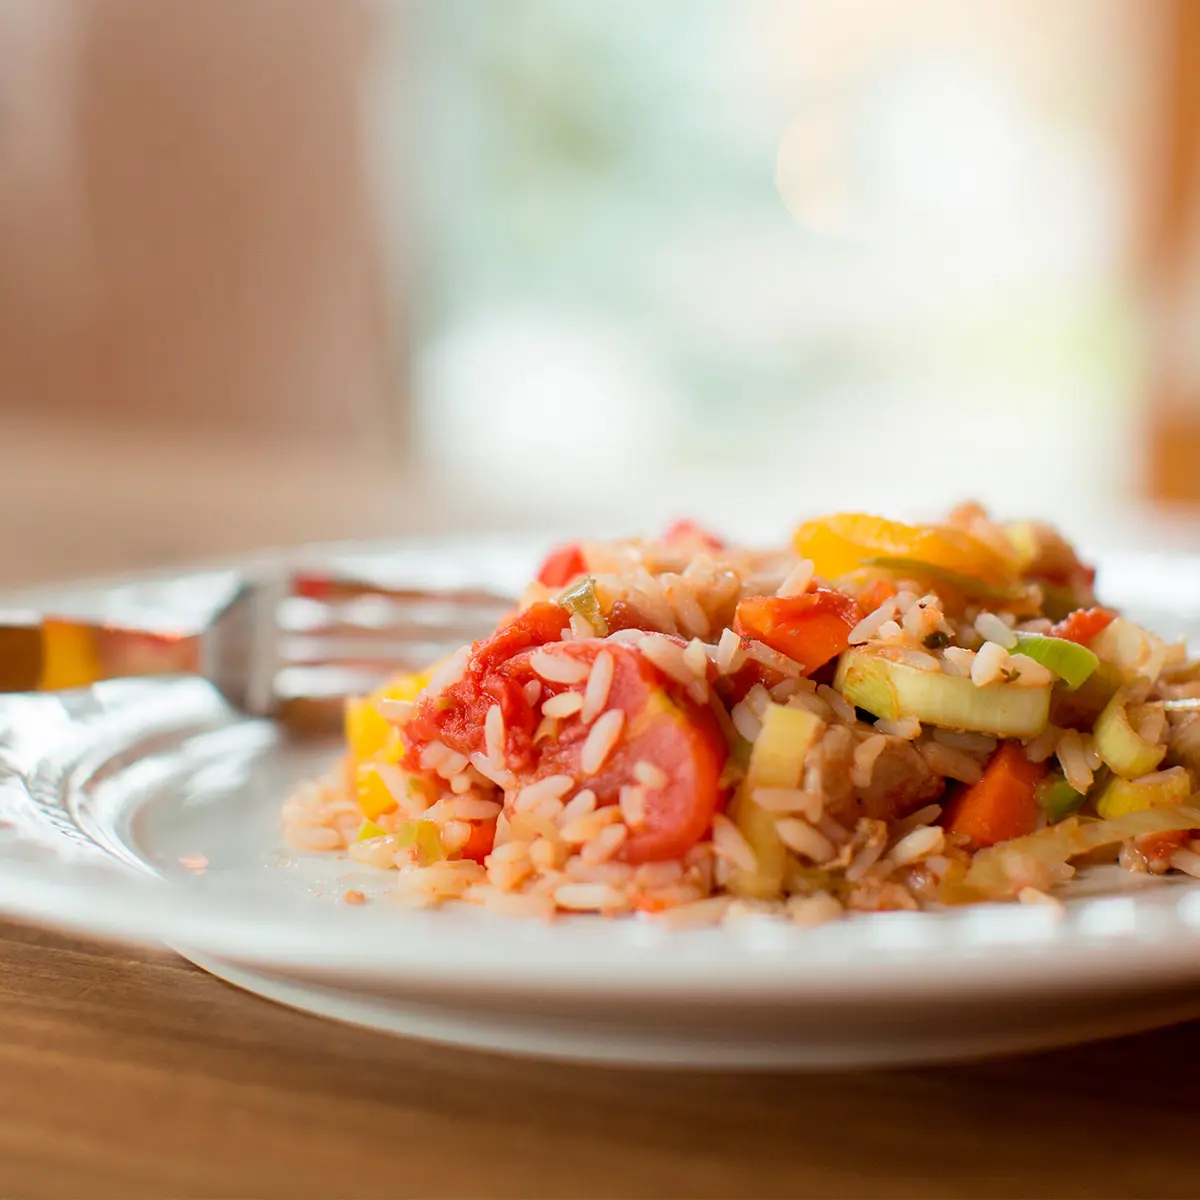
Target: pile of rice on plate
881,716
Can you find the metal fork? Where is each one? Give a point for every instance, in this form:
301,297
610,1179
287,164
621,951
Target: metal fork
288,647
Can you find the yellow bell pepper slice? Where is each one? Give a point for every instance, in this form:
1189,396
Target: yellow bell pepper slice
838,544
374,797
367,733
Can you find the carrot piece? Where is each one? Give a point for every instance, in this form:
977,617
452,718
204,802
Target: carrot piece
1083,625
1002,805
810,629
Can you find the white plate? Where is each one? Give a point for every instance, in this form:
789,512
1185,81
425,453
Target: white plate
105,790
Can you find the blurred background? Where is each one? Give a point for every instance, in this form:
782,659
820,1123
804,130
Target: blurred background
278,270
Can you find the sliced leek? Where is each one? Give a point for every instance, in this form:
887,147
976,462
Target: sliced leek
999,870
891,690
1119,744
969,586
1072,663
776,761
1121,796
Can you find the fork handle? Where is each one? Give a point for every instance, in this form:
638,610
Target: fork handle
53,654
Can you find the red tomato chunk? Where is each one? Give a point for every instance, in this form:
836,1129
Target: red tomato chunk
662,726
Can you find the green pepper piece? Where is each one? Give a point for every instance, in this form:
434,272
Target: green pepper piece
581,598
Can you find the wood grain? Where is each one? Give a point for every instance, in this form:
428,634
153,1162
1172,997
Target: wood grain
130,1074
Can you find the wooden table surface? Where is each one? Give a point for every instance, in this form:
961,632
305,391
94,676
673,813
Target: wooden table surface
130,1073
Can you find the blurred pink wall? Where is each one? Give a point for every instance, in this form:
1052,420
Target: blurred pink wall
186,232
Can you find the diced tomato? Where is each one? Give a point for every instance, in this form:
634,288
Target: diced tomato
733,688
662,726
481,841
1083,625
1003,804
562,565
689,533
456,715
811,629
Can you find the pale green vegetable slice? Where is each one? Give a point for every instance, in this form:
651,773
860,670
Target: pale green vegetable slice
423,839
1120,745
1120,796
581,598
1072,663
966,585
776,761
890,690
1057,798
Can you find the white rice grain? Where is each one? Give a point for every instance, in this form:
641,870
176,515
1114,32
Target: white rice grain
469,808
489,770
590,897
412,803
811,911
599,684
565,704
601,740
840,705
789,801
1073,760
667,656
954,764
729,652
957,661
801,575
868,628
449,673
582,803
929,839
1030,672
865,754
604,845
1038,749
632,802
650,775
907,728
969,743
762,653
991,661
729,843
583,829
696,914
553,787
757,700
805,840
695,656
745,722
558,668
493,736
992,629
395,712
1187,861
